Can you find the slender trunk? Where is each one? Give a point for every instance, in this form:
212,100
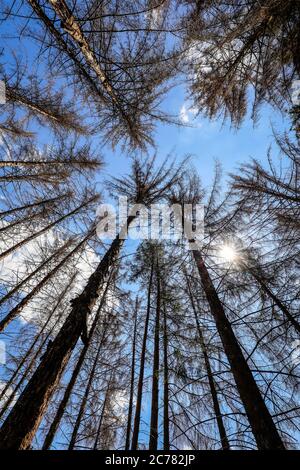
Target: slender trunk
45,178
155,372
137,417
73,29
129,418
166,382
47,106
276,300
27,218
22,423
63,404
36,354
212,386
34,204
96,443
36,163
14,312
261,422
33,273
45,229
87,390
15,130
264,190
64,46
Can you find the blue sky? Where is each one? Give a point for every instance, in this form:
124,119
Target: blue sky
207,140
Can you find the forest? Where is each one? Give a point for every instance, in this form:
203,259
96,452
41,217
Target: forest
183,341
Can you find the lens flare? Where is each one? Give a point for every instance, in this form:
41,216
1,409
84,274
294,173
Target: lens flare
228,253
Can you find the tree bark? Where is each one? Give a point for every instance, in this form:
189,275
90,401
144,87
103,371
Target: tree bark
40,348
166,382
45,229
129,418
43,202
213,391
260,419
33,273
22,423
276,300
96,443
42,177
62,406
87,390
19,307
64,46
137,417
36,163
58,114
155,372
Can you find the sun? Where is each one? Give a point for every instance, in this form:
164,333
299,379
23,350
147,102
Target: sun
228,253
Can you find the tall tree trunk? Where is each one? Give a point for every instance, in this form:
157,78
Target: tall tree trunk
213,391
42,163
14,129
33,273
65,46
260,419
54,112
155,372
99,428
63,404
19,307
87,389
42,203
26,218
22,423
129,417
276,300
166,382
137,417
72,28
35,355
45,229
42,177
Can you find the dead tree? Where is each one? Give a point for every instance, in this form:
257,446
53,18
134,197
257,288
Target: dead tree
132,377
143,187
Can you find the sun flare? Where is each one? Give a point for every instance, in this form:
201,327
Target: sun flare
228,253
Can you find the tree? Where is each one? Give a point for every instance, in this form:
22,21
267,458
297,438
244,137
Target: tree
38,101
156,364
137,417
124,86
130,407
144,187
261,422
222,431
233,47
